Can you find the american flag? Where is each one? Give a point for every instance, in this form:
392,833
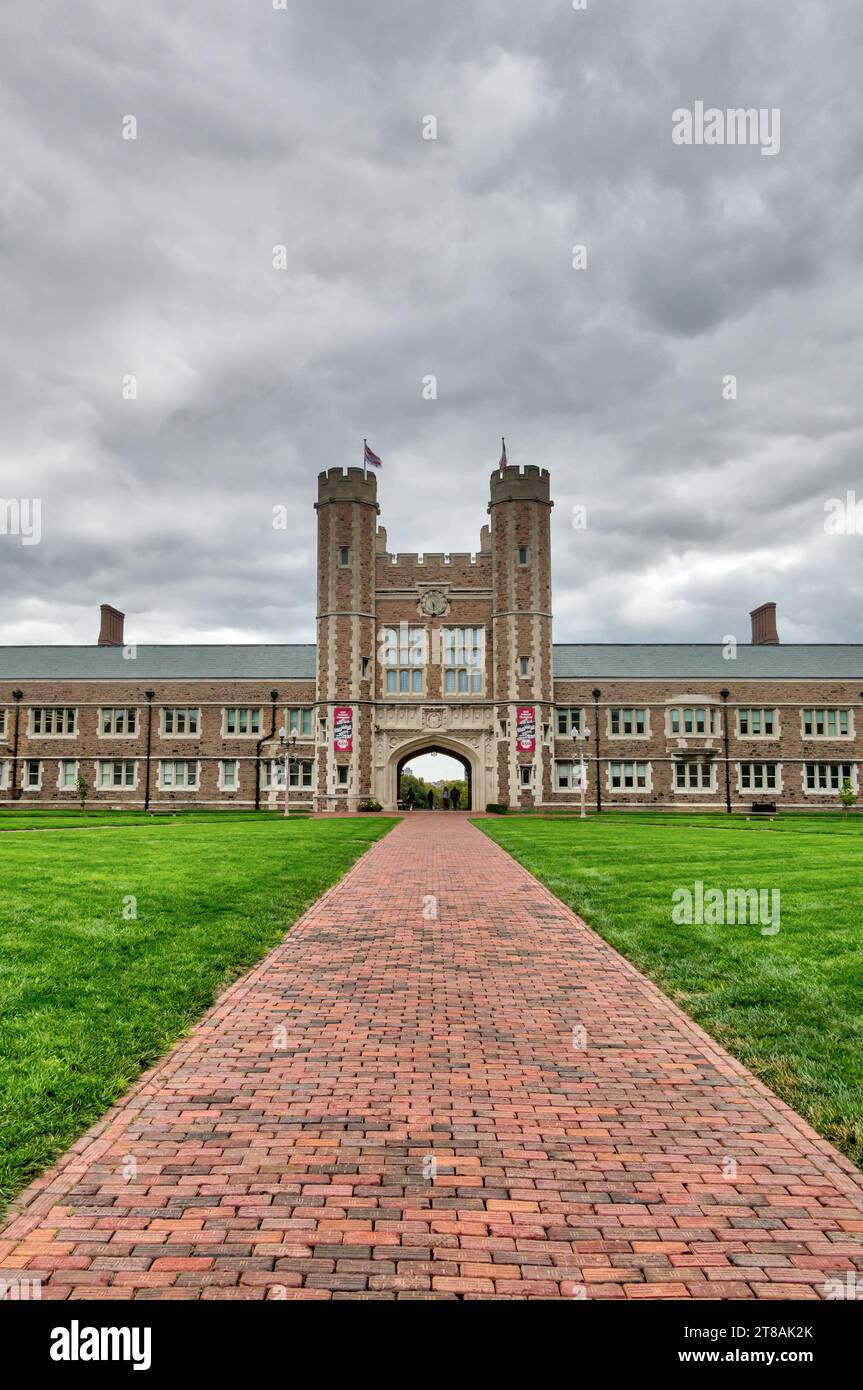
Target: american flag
370,456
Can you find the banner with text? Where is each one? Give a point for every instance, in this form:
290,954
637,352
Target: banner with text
343,729
525,728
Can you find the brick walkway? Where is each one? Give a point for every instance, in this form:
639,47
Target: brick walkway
297,1166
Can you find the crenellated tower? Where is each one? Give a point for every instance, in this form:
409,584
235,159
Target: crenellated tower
347,509
520,511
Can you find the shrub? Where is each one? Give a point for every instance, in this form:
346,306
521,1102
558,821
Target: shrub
498,808
370,805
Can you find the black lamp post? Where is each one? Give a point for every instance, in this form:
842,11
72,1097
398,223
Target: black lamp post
596,694
150,695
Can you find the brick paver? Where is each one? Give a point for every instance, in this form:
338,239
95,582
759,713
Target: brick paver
392,1106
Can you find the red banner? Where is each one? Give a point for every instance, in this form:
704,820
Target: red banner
343,729
525,728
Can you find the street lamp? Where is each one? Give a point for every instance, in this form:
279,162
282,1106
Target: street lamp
288,746
583,740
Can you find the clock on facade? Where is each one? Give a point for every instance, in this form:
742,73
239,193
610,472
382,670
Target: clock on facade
433,603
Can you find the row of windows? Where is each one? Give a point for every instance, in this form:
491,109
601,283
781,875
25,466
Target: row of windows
173,774
176,721
706,720
701,775
404,654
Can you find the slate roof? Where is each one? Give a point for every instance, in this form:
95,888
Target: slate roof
576,661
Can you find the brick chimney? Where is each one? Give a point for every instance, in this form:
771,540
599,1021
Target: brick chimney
764,632
111,629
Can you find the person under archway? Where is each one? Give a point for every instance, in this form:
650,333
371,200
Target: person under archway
431,798
455,798
445,798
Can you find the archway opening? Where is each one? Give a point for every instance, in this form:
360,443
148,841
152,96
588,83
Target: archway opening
428,777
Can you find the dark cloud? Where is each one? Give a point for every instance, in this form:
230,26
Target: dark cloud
405,257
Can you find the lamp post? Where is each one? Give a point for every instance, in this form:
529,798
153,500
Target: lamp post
583,739
288,745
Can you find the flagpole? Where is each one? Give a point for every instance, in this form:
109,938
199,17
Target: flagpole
365,474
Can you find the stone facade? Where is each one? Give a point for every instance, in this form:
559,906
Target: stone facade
430,652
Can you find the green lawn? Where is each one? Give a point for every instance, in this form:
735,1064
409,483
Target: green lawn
73,818
90,996
789,1005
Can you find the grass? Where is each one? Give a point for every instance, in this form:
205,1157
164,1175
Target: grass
72,818
89,995
789,1005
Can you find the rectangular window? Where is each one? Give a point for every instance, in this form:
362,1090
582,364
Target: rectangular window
828,777
826,723
691,776
758,777
629,776
524,665
122,722
116,774
344,556
4,773
300,722
33,774
2,722
301,773
403,656
179,773
463,660
181,721
627,722
342,775
522,554
365,668
757,723
525,773
52,722
244,722
229,774
67,775
569,721
273,773
693,719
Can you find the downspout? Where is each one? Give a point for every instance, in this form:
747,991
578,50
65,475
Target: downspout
274,695
149,694
596,695
14,790
725,694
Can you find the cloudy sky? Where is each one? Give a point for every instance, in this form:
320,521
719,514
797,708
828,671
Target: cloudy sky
407,258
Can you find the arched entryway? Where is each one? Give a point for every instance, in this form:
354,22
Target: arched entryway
449,749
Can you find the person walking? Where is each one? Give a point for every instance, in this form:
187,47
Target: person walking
455,798
445,798
431,798
410,798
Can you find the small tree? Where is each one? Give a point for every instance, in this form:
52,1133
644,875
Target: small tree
83,790
847,796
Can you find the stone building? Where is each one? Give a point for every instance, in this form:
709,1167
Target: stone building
418,653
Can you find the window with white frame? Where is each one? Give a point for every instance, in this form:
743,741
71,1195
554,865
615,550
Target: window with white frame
113,774
181,721
826,723
691,775
302,772
229,774
568,775
300,722
629,776
758,777
242,721
522,554
757,723
51,722
32,777
524,666
272,773
828,777
178,774
118,721
569,722
525,775
693,719
4,773
342,774
403,657
344,556
463,660
627,723
2,722
67,774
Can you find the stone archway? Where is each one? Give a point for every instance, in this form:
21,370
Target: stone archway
432,743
